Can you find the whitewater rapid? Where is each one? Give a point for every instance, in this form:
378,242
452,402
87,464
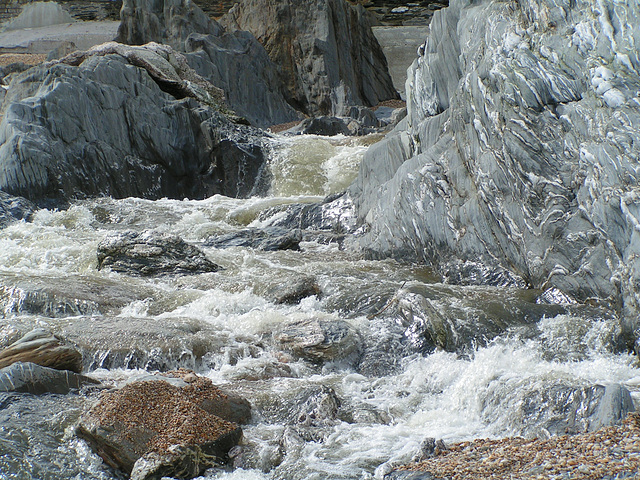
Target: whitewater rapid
476,391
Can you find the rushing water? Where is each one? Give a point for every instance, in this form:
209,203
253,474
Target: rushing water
501,350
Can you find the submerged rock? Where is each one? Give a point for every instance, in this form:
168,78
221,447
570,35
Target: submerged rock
128,137
152,428
268,239
42,348
292,293
151,253
14,208
325,50
319,340
26,377
519,150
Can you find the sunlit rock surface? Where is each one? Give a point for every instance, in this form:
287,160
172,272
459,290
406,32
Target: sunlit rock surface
518,161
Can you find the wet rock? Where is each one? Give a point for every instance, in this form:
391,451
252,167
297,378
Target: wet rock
42,348
26,377
497,163
613,407
325,50
14,208
233,61
268,239
146,129
319,340
151,253
292,293
327,126
151,428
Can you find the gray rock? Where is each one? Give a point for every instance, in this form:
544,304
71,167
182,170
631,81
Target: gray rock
42,348
151,428
514,153
613,408
37,380
326,51
293,292
323,125
127,138
14,208
233,61
269,239
319,340
151,253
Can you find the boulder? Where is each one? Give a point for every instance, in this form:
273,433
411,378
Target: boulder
324,125
325,49
42,348
26,377
153,428
129,137
151,253
514,153
14,208
292,293
233,61
319,340
268,239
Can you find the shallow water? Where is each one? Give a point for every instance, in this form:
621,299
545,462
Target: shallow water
435,360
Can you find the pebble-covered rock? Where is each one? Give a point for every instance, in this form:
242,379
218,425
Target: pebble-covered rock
612,452
154,428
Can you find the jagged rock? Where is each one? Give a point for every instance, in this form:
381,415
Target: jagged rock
152,428
151,253
319,340
42,348
14,208
325,49
328,126
519,149
268,239
233,61
35,379
127,138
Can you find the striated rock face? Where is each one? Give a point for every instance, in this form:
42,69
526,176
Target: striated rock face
151,253
42,348
128,137
325,49
233,61
517,163
159,426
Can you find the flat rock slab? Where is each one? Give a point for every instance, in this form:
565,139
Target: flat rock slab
154,428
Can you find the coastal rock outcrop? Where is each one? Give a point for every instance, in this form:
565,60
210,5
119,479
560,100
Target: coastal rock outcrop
519,153
325,49
128,137
152,253
164,426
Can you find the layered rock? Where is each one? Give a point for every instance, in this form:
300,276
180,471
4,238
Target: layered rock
27,377
516,163
128,137
152,253
159,426
233,61
42,348
326,51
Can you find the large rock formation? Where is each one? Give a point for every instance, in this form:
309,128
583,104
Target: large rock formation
233,61
326,50
128,137
517,163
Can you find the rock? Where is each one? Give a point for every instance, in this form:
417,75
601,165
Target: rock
319,340
151,428
26,377
269,239
325,50
408,475
292,293
128,138
151,253
14,208
42,348
614,406
328,126
233,61
497,163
